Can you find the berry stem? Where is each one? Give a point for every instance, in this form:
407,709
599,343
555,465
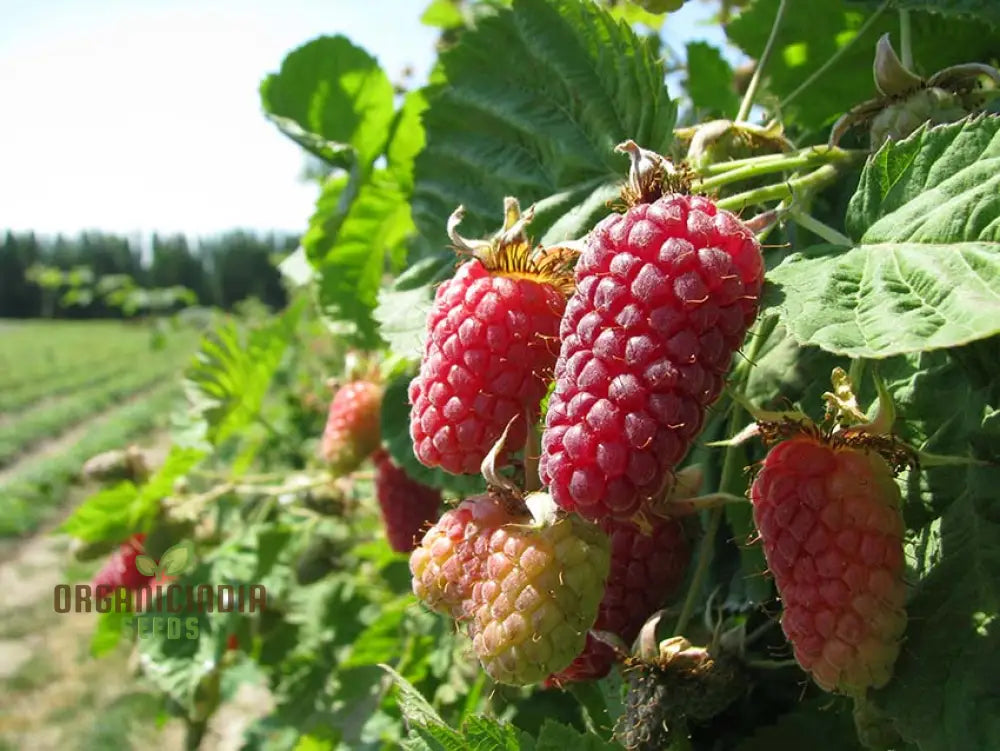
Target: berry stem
796,186
751,92
747,169
905,40
824,231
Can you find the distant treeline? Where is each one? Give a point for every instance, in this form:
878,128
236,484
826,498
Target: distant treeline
220,270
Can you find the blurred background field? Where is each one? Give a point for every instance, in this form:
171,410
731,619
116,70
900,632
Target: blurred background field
72,389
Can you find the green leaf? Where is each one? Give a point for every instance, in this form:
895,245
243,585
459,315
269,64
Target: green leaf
407,140
486,734
557,737
972,10
117,512
402,309
109,631
380,641
414,706
145,565
333,99
176,559
925,273
533,103
710,80
815,725
811,33
943,694
232,371
353,247
396,438
443,14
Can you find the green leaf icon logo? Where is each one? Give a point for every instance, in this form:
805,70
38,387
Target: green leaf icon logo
145,565
176,559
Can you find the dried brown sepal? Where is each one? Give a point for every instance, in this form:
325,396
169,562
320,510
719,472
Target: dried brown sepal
510,251
897,454
651,175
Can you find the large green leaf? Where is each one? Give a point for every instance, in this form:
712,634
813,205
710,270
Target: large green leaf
815,725
944,693
352,241
402,309
812,32
333,99
925,273
974,10
532,103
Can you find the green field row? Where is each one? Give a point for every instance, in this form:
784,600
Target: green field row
34,351
33,426
84,374
32,494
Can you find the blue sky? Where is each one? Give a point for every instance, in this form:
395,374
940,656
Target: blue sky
141,115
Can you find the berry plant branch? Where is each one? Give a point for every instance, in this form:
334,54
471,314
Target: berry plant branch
905,39
795,187
748,169
751,91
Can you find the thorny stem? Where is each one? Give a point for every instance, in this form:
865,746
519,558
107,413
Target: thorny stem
747,169
905,40
751,92
728,481
808,183
835,56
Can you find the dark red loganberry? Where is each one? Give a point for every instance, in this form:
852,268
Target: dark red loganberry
407,506
665,295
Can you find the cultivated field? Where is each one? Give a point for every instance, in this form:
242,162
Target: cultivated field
69,390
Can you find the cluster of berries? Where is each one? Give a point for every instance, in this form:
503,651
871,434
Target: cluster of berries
635,343
631,334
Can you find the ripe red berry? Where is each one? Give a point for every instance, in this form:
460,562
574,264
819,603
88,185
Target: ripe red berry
406,505
489,353
665,295
120,570
646,569
830,521
352,429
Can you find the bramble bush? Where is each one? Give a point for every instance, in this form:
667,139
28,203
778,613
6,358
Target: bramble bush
876,334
